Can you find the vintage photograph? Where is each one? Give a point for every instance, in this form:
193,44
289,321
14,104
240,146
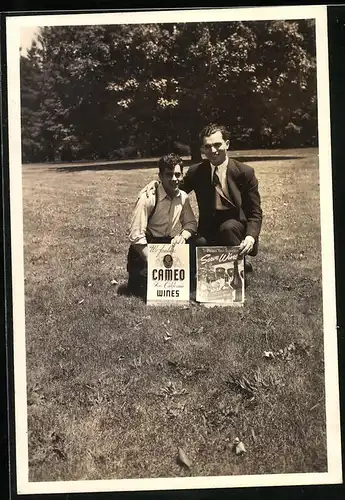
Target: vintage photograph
194,130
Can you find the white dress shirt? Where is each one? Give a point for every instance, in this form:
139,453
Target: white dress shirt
167,214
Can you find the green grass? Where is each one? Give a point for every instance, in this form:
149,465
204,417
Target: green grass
108,398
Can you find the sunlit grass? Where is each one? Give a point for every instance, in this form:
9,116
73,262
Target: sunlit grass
109,398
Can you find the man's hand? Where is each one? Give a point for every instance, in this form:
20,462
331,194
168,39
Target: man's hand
246,246
149,188
178,240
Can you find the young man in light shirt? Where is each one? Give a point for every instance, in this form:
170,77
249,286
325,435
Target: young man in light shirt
155,218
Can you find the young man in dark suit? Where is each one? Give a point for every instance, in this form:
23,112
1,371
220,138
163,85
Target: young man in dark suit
227,194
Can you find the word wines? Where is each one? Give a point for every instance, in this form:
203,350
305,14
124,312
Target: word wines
168,293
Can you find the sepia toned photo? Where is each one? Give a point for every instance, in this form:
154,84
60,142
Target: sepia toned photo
159,160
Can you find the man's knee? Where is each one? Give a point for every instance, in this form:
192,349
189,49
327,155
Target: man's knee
231,232
202,241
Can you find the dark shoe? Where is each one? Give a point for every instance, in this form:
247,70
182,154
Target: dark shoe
136,286
248,268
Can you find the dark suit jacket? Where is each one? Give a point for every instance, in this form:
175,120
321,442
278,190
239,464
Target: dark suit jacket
243,192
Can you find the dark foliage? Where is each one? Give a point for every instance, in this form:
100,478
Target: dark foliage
120,91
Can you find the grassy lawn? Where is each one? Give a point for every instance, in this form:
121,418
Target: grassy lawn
109,398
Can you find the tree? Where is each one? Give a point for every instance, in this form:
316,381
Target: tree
257,78
31,117
146,87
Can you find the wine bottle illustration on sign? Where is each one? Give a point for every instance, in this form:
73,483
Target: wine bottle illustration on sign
237,283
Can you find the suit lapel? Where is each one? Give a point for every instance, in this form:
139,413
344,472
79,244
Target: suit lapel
232,175
207,183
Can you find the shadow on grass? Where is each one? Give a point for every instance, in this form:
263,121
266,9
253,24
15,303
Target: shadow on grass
135,164
124,291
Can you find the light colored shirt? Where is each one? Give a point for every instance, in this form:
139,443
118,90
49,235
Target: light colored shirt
166,215
222,190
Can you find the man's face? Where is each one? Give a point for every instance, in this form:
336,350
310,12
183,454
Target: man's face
215,148
170,180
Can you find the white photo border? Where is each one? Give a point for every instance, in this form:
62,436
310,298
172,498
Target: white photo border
334,473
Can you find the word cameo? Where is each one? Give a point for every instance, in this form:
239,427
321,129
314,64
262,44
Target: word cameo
168,274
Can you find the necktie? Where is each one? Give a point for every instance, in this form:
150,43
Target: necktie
218,187
215,178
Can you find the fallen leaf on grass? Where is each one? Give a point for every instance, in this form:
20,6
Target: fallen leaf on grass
168,336
172,389
284,354
137,362
81,301
238,447
182,458
114,282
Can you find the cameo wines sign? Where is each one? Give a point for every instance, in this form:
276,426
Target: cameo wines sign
168,274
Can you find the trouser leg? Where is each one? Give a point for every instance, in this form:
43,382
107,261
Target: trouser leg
230,233
137,267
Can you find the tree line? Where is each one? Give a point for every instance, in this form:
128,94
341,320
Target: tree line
116,91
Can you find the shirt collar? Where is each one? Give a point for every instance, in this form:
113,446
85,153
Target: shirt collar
161,194
221,166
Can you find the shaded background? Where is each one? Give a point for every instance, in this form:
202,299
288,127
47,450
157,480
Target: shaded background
128,91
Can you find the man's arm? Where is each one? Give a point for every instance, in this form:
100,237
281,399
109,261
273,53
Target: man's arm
187,182
149,189
251,206
187,219
138,226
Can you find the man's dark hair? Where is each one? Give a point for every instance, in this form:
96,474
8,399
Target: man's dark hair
211,129
168,162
